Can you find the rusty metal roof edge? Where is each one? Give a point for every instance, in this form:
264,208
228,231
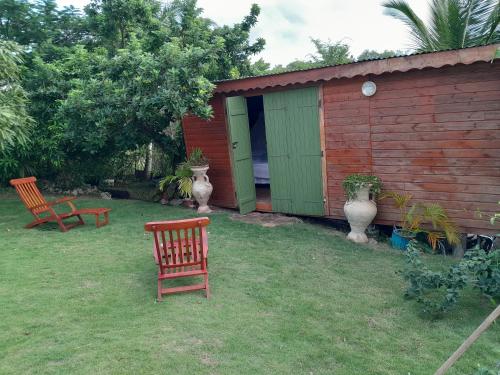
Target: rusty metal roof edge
405,63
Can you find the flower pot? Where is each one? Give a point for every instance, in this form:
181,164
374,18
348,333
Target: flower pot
360,212
399,240
202,188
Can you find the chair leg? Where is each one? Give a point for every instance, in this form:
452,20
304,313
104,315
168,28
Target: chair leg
159,297
61,225
33,224
207,288
80,219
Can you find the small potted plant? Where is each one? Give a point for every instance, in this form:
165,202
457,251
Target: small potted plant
201,188
359,209
430,219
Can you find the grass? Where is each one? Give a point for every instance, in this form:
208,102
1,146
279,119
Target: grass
294,299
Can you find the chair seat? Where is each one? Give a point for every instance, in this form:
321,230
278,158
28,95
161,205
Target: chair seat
174,275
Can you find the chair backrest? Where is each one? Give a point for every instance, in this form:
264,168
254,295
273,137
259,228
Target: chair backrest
180,243
29,194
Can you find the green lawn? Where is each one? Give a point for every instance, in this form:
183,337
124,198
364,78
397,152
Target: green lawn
286,300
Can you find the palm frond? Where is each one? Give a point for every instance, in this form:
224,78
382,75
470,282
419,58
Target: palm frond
402,11
186,187
453,23
487,30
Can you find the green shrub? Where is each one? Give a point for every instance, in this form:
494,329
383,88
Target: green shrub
439,292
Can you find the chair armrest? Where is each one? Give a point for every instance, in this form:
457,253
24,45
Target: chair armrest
205,243
62,200
53,203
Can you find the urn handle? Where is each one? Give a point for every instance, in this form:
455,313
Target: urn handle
206,178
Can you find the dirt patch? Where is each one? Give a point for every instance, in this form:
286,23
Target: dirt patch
266,219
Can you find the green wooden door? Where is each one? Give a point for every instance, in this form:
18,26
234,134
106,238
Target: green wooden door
294,151
242,153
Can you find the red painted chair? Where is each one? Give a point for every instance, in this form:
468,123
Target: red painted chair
180,249
43,211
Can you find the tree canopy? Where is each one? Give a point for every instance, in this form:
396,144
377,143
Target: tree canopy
117,76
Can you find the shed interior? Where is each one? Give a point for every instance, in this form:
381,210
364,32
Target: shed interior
257,125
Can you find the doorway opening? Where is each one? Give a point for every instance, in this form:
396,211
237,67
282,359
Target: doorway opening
256,122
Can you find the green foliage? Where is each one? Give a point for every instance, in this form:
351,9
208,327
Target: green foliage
368,54
331,53
494,218
181,180
15,123
453,23
488,371
354,182
116,78
327,53
439,291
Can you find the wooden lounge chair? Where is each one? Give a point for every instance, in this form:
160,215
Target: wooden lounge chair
44,212
180,249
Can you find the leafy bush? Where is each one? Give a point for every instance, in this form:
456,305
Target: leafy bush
438,292
488,371
178,183
354,182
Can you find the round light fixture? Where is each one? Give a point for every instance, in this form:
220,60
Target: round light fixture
369,88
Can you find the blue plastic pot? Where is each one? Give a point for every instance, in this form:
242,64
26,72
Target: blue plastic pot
398,241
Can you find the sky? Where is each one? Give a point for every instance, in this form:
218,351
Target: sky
288,25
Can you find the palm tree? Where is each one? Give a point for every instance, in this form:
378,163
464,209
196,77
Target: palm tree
453,24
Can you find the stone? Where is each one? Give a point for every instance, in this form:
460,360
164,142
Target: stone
175,202
105,195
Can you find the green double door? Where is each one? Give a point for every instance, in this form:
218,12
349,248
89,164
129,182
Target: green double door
293,149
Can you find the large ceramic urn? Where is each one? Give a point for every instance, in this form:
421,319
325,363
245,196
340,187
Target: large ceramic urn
202,188
360,212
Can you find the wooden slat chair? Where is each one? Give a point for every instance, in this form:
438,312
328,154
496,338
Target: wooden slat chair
180,249
44,212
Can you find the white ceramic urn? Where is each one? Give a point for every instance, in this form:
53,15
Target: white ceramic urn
202,188
360,212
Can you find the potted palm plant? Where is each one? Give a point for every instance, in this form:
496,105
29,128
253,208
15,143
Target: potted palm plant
429,218
359,209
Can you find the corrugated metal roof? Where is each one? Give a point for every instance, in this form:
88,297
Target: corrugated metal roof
376,66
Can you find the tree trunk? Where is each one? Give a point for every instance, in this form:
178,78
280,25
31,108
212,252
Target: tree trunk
148,164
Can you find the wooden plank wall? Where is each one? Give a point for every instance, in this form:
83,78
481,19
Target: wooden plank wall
211,136
434,133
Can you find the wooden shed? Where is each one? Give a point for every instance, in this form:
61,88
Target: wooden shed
284,142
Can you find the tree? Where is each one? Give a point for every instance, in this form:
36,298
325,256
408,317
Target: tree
113,22
260,67
331,53
453,23
327,53
15,122
117,77
368,54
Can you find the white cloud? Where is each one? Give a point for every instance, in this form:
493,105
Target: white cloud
288,25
